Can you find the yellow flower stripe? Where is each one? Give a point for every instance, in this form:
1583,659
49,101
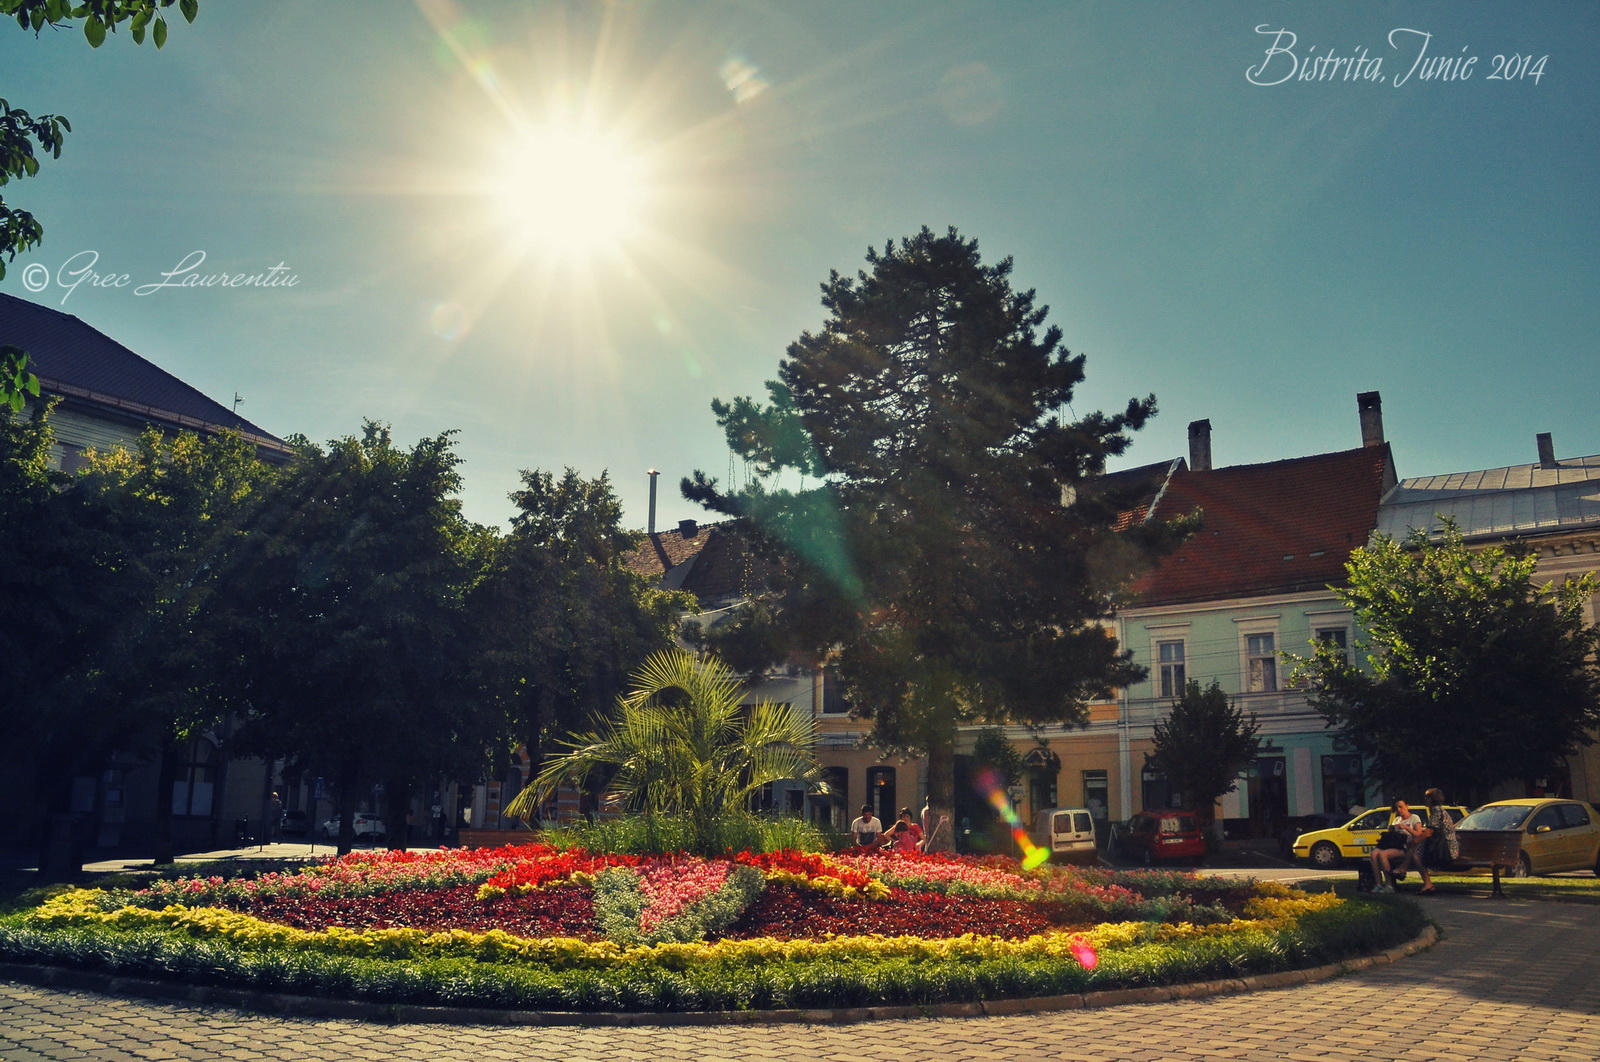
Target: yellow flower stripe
1274,911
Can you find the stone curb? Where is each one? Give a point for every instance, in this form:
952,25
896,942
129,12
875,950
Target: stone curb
408,1013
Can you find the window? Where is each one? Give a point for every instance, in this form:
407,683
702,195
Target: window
1170,656
1337,637
1261,662
1574,815
1550,816
834,701
1342,783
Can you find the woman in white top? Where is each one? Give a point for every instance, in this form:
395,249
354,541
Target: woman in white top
1382,857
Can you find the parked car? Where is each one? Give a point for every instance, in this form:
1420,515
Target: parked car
1162,835
1557,834
295,824
1328,849
1068,834
367,826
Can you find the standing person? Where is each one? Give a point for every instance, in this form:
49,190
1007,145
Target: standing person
1439,823
274,818
867,828
1394,845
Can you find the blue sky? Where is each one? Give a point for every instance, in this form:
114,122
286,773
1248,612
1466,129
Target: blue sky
1254,254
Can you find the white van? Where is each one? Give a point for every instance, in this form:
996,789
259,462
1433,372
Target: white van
1068,834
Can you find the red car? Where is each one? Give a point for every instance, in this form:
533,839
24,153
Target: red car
1163,835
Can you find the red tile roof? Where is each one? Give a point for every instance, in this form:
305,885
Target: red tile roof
1273,528
712,562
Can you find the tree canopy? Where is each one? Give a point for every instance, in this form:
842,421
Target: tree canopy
562,622
1478,675
926,551
1202,745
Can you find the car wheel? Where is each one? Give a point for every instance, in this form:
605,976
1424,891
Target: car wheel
1325,855
1524,867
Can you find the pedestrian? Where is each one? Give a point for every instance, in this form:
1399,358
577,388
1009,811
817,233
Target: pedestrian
1438,825
274,818
1394,845
867,828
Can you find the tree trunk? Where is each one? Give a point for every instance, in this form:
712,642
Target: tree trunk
164,851
941,792
396,812
347,807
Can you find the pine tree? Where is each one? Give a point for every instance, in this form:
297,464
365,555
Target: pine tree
1202,745
944,550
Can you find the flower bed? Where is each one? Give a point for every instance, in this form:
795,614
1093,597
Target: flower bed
538,927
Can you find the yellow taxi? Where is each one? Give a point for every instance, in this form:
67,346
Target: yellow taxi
1557,835
1328,849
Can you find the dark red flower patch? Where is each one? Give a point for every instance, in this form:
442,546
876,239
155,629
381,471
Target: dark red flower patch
786,913
558,911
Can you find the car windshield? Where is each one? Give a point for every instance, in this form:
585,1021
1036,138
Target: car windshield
1505,817
1178,824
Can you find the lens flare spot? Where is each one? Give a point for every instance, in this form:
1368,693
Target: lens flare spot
743,79
991,785
970,94
448,320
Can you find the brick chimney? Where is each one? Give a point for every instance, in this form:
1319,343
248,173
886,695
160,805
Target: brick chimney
1199,446
1371,410
1547,450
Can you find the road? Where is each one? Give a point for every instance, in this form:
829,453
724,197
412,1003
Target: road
1509,981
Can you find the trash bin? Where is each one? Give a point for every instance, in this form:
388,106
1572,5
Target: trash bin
241,831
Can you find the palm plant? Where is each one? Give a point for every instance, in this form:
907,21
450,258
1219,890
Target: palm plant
682,743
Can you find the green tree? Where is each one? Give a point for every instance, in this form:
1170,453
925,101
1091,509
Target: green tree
562,622
1478,675
1202,745
20,131
179,504
945,549
683,743
346,613
101,635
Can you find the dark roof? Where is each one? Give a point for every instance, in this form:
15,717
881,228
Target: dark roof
78,361
711,561
1279,527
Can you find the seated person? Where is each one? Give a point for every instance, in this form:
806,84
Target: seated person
867,828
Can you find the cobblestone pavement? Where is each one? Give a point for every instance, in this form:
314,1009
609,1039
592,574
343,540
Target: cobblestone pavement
1509,982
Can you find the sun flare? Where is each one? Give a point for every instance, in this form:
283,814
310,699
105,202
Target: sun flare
569,192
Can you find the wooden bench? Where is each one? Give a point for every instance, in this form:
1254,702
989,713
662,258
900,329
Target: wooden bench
1488,848
471,838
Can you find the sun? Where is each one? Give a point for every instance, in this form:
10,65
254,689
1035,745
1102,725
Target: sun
569,192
